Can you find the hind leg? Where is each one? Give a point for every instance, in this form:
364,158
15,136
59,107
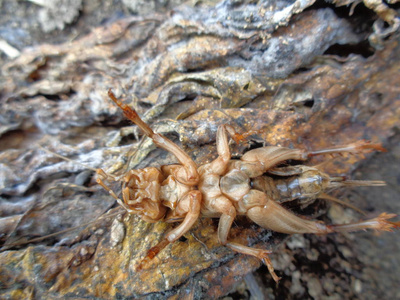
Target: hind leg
228,211
188,174
262,159
269,214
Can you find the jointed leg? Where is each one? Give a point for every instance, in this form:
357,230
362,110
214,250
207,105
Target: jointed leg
381,223
192,203
271,156
219,165
239,137
224,206
192,210
228,211
268,157
191,177
259,253
269,214
362,146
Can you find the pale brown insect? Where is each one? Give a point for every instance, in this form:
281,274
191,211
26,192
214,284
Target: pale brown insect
226,188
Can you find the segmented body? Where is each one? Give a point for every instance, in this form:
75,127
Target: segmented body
225,188
306,186
156,194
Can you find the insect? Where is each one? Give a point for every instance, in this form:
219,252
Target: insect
225,188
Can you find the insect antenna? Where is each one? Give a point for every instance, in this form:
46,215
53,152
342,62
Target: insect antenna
66,158
7,246
131,154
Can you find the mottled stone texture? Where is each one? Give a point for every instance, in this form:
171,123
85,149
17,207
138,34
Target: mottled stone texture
308,75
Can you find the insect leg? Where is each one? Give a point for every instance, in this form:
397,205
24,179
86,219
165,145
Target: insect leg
239,137
269,214
190,205
228,211
267,157
190,176
381,223
361,146
270,156
259,253
219,165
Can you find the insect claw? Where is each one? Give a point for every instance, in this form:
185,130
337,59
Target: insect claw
366,145
386,225
265,259
151,253
240,137
379,223
363,145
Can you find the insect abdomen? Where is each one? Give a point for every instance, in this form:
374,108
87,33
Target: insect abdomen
287,189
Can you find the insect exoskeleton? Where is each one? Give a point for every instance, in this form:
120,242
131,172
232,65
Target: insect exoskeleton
225,188
253,186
